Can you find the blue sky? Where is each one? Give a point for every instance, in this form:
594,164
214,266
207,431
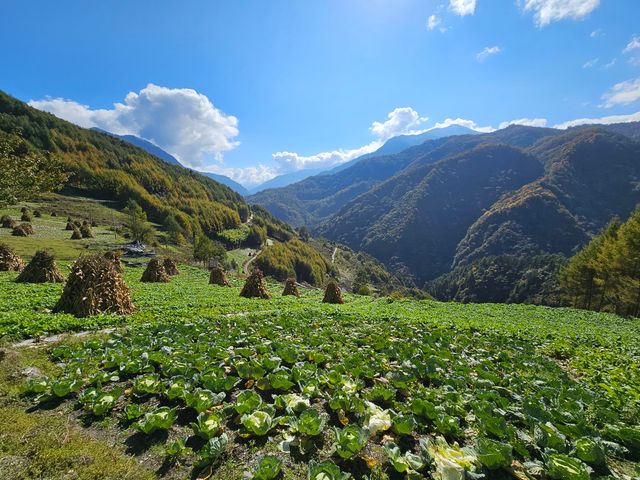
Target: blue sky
258,88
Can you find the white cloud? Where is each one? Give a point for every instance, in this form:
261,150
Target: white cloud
610,64
596,33
487,52
633,117
622,93
179,120
634,44
464,123
401,121
433,21
529,122
591,63
463,7
247,176
548,11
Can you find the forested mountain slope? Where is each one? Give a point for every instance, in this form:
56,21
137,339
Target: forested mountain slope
416,219
316,198
103,166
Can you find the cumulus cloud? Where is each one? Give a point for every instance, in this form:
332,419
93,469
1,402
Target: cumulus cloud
634,44
591,63
633,117
247,176
622,93
463,7
433,21
529,122
548,11
401,121
179,120
487,52
463,123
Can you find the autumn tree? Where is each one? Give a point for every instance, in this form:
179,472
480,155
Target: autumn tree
25,173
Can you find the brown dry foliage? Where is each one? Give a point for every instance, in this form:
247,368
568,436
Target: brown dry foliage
95,286
255,286
9,260
332,294
291,288
219,277
41,269
155,272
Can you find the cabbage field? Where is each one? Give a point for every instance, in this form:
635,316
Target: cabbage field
209,385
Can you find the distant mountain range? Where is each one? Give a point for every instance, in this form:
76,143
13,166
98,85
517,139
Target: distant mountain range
153,149
449,202
393,145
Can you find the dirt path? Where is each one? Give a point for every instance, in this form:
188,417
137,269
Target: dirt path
246,266
333,255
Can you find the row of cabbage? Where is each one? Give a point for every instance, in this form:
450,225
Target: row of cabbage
346,392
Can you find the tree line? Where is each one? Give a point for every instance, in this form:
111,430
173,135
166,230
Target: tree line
605,274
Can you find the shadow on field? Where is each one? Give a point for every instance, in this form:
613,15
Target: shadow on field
140,442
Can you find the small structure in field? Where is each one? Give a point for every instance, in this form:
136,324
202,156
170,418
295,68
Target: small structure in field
291,288
114,256
76,235
22,230
8,222
171,267
85,231
155,272
218,277
41,269
255,286
95,286
332,294
9,260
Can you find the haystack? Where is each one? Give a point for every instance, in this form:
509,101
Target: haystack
218,277
41,269
332,293
95,286
70,226
85,231
155,272
37,214
24,210
22,230
26,217
18,231
54,214
27,227
171,267
76,235
9,260
255,286
94,224
291,288
7,222
114,257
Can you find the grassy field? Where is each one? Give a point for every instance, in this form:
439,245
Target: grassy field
201,383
